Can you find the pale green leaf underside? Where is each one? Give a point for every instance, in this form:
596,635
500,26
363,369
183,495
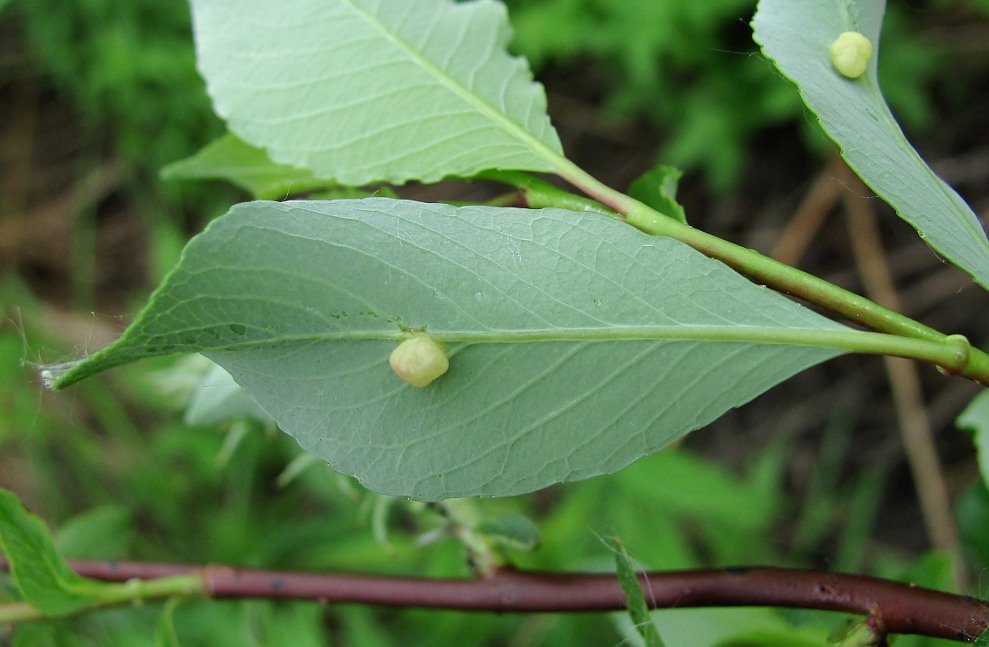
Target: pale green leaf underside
361,91
577,344
975,418
219,398
250,168
797,36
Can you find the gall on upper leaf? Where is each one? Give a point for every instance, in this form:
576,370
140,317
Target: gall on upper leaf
851,53
419,360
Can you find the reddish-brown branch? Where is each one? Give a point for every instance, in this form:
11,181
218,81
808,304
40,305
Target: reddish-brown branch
891,607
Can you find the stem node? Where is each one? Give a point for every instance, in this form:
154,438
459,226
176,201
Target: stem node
960,357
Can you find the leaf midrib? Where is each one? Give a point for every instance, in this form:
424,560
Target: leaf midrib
825,338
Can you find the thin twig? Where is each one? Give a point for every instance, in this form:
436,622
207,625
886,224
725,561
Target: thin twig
908,397
891,607
809,217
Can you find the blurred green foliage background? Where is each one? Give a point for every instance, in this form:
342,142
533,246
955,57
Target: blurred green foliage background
690,69
111,464
129,68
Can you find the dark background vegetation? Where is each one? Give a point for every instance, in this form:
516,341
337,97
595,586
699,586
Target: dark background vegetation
96,96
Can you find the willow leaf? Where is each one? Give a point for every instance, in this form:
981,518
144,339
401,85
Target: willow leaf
360,91
576,345
797,36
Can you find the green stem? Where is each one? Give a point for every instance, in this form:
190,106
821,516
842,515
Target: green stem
465,516
539,193
19,612
141,590
132,592
765,270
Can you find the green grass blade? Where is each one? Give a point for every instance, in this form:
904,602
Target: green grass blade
634,599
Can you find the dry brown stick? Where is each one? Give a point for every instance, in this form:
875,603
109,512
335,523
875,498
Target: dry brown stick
809,217
908,397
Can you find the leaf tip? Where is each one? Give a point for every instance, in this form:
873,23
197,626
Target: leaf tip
58,376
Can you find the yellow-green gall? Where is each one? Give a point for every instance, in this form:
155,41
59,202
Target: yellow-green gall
419,360
851,53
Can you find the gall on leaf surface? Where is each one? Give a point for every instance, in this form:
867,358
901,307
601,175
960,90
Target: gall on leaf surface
576,345
797,37
851,53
